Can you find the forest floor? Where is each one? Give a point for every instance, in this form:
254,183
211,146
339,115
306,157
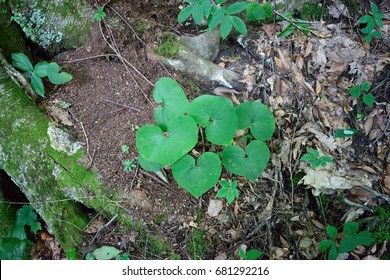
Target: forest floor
303,79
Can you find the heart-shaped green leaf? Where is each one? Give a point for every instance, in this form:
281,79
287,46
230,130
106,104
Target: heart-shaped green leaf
168,92
217,115
200,177
167,147
249,163
55,77
257,117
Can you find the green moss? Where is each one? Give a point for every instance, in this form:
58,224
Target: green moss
162,218
311,11
379,226
197,245
141,26
169,46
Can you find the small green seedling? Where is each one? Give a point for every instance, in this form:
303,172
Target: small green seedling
100,14
373,23
15,246
176,133
228,190
125,149
107,253
252,254
129,165
296,24
358,90
348,243
40,70
343,133
315,160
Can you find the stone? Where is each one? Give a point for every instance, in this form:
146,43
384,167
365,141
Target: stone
206,44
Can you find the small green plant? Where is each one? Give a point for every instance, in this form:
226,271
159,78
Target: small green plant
373,23
125,149
100,14
225,17
129,165
40,70
107,253
295,24
343,133
16,245
176,133
315,160
252,254
379,224
362,90
228,190
350,240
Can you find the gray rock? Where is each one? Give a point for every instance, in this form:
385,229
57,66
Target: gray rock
205,44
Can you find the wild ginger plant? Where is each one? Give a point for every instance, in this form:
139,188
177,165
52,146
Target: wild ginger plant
176,133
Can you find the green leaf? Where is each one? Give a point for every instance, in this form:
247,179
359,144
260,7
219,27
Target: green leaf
308,157
364,238
327,159
331,231
347,244
333,253
226,26
342,133
236,7
206,5
89,257
374,8
364,19
25,216
197,14
249,163
17,231
37,84
376,34
106,253
21,61
216,18
239,25
289,29
350,228
228,190
325,245
35,227
355,91
370,26
253,254
249,10
197,178
365,86
368,38
185,14
174,102
13,248
368,99
167,147
257,117
268,9
41,69
55,77
148,165
259,13
217,115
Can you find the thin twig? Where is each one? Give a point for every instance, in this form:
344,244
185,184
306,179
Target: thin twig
87,142
102,227
293,23
87,58
122,105
154,178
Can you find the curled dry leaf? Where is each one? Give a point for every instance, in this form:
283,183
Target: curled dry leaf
386,182
308,49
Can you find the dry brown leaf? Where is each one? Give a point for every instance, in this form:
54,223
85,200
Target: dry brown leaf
318,224
269,30
368,124
284,60
308,49
299,61
388,169
318,87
